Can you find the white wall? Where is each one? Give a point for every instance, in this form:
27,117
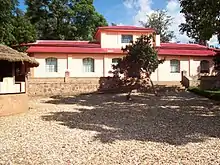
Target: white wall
103,64
113,39
76,69
40,71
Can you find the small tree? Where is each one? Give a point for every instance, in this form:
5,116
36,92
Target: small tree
160,21
139,63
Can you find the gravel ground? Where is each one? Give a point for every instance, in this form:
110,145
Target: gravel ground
174,128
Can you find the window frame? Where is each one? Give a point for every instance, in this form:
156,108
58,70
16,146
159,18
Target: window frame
115,63
126,40
85,62
177,65
206,62
48,64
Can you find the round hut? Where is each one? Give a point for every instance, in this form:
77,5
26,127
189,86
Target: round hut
14,67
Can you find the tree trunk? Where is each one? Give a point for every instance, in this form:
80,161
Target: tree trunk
128,97
152,84
132,85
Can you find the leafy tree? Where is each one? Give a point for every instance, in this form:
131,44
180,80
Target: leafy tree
15,28
139,63
160,21
113,24
64,19
6,8
23,30
202,19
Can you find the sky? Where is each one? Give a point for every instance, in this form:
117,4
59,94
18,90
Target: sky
131,12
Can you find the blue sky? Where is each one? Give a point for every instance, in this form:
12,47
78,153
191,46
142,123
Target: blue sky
131,12
115,10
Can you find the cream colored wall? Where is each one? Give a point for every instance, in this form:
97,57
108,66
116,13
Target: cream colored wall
108,63
40,71
68,62
76,69
164,70
113,39
195,64
103,64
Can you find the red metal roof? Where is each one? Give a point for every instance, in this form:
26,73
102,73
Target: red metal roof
184,50
167,49
124,29
55,49
58,43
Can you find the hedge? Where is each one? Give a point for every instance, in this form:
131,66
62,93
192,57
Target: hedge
214,95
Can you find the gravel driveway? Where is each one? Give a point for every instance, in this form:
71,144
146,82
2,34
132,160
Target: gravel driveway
175,128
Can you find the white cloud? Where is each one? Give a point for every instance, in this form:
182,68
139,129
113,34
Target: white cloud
213,41
141,8
173,9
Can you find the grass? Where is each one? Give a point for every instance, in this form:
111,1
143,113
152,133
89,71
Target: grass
211,94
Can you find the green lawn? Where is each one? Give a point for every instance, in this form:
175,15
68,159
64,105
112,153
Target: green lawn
214,95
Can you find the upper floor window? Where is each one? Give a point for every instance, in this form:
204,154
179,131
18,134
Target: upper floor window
204,66
175,66
126,38
88,65
51,64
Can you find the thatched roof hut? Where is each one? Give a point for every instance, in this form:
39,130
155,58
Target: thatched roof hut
11,55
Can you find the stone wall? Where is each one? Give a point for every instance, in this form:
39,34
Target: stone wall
209,82
72,86
61,86
11,104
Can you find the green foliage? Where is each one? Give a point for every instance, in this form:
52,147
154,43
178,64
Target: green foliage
160,21
15,28
64,19
202,19
217,62
6,28
141,57
23,30
214,95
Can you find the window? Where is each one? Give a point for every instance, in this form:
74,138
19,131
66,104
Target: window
88,65
175,66
51,64
204,66
126,38
115,61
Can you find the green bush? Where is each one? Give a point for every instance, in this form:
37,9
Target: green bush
214,95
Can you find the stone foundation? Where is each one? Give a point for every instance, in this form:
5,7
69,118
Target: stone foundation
209,82
11,104
61,86
73,86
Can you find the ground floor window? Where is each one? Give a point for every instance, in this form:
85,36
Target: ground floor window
88,65
175,66
51,64
115,61
204,66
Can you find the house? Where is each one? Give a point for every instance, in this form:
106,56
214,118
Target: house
95,59
13,68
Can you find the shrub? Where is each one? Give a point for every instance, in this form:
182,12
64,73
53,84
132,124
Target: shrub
214,95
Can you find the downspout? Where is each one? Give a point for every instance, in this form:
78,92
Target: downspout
158,74
67,62
103,65
189,67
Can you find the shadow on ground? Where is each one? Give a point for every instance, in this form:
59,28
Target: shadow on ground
176,118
